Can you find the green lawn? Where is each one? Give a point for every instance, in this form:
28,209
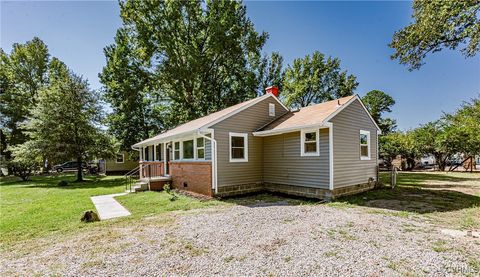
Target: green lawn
451,199
39,208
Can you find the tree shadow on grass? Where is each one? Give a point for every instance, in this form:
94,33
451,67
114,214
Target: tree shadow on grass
412,195
51,181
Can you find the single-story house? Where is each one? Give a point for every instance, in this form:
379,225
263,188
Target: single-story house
121,164
321,151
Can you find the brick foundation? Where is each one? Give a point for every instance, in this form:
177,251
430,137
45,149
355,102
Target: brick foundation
158,185
192,176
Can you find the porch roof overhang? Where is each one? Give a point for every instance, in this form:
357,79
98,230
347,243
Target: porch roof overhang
182,135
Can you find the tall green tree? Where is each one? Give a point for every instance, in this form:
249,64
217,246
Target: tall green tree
269,72
23,73
378,103
130,89
200,54
315,79
66,122
437,25
464,127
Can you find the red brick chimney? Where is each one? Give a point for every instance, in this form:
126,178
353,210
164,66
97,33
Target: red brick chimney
273,90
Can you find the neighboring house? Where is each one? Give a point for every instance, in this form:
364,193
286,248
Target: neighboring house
322,151
121,164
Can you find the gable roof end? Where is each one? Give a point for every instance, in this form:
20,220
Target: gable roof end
313,116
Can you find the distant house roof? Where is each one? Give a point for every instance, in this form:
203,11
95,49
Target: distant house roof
204,122
310,116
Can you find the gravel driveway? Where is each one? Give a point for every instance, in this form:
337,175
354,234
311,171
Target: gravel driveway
264,240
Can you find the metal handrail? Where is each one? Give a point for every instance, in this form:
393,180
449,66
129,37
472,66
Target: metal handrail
129,176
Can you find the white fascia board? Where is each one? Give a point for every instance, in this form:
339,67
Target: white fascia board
259,99
288,130
206,126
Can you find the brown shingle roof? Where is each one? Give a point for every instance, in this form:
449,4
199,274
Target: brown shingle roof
311,115
202,122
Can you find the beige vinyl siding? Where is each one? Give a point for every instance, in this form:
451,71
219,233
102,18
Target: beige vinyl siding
347,167
283,163
246,121
208,150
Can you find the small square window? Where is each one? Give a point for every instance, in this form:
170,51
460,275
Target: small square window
120,159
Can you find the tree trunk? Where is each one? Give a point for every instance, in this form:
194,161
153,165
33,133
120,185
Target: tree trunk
79,170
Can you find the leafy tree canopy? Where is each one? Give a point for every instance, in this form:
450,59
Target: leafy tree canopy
438,24
270,72
315,79
129,88
23,73
200,54
378,103
65,123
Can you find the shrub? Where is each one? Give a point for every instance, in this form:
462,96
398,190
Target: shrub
168,189
62,183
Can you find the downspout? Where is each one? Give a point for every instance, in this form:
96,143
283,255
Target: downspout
140,158
330,153
214,159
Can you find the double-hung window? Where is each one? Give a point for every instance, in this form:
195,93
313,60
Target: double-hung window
201,148
364,145
176,150
238,147
310,143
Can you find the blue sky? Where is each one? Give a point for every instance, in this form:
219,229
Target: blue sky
355,32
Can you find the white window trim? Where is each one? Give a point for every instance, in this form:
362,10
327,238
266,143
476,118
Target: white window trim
245,144
302,141
197,147
123,159
181,149
175,149
271,109
365,158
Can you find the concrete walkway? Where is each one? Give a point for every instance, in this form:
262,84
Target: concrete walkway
108,207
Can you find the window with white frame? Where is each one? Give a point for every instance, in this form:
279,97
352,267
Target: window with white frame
310,143
201,148
271,109
176,150
238,147
364,145
187,149
120,159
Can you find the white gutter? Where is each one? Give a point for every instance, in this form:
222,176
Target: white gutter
290,129
214,157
